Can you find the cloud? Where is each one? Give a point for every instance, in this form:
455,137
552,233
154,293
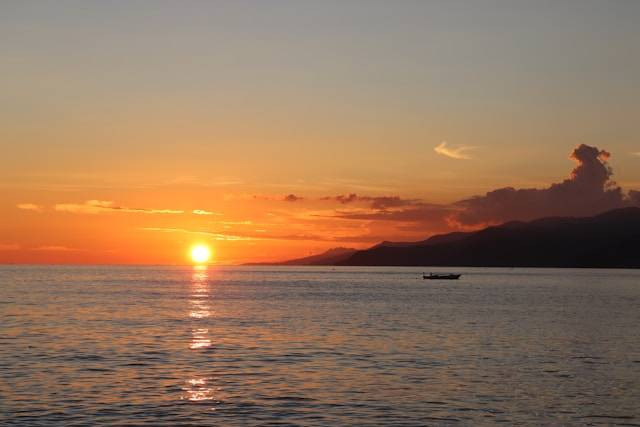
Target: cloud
380,202
103,206
203,212
345,199
588,191
220,181
421,212
9,247
637,153
292,198
425,216
459,152
55,248
386,202
29,207
215,236
268,197
264,235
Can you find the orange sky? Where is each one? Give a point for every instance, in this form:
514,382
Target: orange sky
158,225
119,121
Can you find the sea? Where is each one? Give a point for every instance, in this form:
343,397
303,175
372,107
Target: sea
318,346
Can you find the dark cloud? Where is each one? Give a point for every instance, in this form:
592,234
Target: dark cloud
588,191
418,213
292,198
381,202
391,202
346,199
423,216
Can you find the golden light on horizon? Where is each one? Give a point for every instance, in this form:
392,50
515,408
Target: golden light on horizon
200,254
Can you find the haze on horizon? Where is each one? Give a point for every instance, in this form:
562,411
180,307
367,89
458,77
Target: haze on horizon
131,131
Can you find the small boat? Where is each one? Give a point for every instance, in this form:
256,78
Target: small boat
441,276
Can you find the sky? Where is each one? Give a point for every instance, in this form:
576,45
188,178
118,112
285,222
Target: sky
130,131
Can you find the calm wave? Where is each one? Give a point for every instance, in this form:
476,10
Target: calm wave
318,346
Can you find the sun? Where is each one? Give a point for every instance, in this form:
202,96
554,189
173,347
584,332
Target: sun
200,254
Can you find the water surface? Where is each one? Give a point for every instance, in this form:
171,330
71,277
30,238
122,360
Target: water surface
318,346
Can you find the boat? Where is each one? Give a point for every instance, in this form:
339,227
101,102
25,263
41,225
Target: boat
441,276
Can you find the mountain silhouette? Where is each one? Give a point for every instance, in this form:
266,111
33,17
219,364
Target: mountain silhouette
608,240
329,257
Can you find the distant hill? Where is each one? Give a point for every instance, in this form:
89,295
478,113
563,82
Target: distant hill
611,239
439,238
330,257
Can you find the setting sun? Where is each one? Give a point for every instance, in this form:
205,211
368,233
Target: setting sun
200,254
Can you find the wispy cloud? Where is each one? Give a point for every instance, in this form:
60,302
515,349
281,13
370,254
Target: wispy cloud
204,212
29,207
379,202
103,206
459,152
220,181
9,247
263,235
55,248
637,153
269,197
428,216
215,236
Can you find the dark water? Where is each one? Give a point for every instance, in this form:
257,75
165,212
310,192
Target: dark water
314,346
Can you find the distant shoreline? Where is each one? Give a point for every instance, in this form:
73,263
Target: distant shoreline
607,240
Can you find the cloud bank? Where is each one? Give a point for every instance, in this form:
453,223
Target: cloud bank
589,190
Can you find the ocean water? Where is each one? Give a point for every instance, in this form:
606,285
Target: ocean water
318,346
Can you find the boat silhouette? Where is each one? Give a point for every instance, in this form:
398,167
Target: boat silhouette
441,276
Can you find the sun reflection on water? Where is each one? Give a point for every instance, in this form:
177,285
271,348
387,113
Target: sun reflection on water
200,339
200,293
199,388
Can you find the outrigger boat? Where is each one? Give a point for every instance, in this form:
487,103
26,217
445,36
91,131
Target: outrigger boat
441,276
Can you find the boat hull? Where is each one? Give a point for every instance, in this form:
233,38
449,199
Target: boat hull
442,277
